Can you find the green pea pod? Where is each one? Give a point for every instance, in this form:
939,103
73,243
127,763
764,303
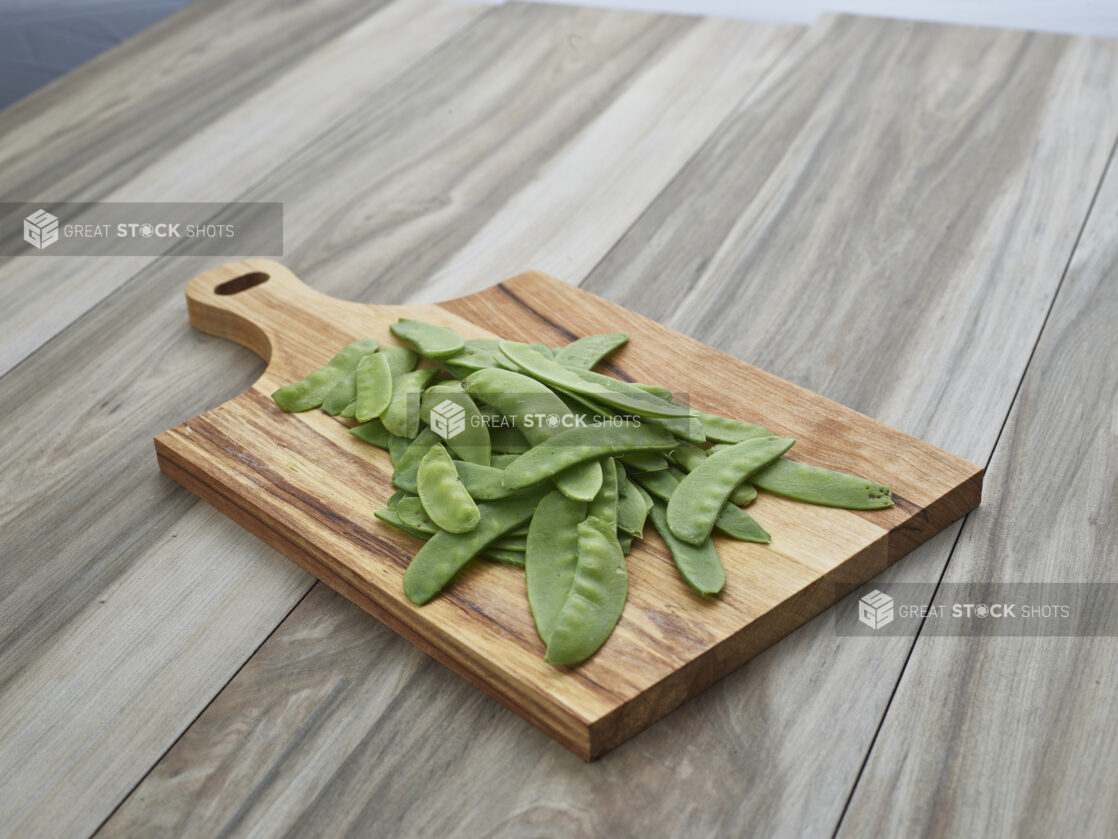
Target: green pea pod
401,417
552,553
626,543
631,509
731,520
444,555
553,373
543,349
417,449
428,339
604,504
468,360
341,394
699,565
482,482
391,517
452,414
596,597
350,410
373,381
587,351
309,391
505,557
539,414
501,461
396,447
816,485
645,461
577,445
443,496
508,542
400,359
697,501
726,430
411,512
688,457
686,427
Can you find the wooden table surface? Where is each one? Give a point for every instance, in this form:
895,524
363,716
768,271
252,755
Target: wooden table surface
917,220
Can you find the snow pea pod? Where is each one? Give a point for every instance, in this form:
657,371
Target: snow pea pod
568,378
396,447
587,351
688,457
725,430
694,506
389,516
631,510
731,520
443,496
400,359
451,412
596,598
539,414
577,445
504,557
411,512
604,504
428,339
552,552
482,482
645,461
373,382
401,417
509,542
467,361
685,426
444,555
816,485
373,433
416,450
310,390
699,565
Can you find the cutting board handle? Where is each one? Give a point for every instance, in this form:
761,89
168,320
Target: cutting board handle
248,301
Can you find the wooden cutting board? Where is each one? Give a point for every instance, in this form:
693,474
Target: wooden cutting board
309,489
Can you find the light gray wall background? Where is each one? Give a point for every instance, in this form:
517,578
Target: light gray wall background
42,39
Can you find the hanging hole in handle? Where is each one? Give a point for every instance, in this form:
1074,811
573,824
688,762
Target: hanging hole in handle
241,283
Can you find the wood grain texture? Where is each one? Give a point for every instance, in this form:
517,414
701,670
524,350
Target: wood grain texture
997,735
104,391
164,118
301,483
733,760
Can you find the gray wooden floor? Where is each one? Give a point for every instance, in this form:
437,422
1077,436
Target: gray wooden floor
917,220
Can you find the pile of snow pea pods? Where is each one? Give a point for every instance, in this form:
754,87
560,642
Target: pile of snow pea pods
522,454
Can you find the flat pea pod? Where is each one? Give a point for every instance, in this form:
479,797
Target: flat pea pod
543,349
501,461
452,414
552,553
626,542
685,426
697,501
699,565
596,598
587,351
400,359
396,447
373,382
310,390
539,414
631,509
443,496
645,461
401,417
570,379
390,516
725,430
417,449
816,485
504,557
427,338
508,542
435,564
411,512
604,504
482,482
577,445
467,361
688,457
341,395
732,521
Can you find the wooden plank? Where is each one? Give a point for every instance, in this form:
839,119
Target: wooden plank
997,735
64,550
397,741
163,120
300,483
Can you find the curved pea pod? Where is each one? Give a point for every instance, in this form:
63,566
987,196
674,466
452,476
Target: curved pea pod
406,474
645,461
505,557
539,414
444,555
626,543
587,351
390,516
310,390
501,461
553,373
396,447
685,426
373,383
443,496
543,349
452,414
341,395
699,565
577,445
596,598
631,509
401,417
427,338
738,524
467,361
816,485
400,359
688,457
743,495
725,430
696,503
552,553
604,504
509,542
482,482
